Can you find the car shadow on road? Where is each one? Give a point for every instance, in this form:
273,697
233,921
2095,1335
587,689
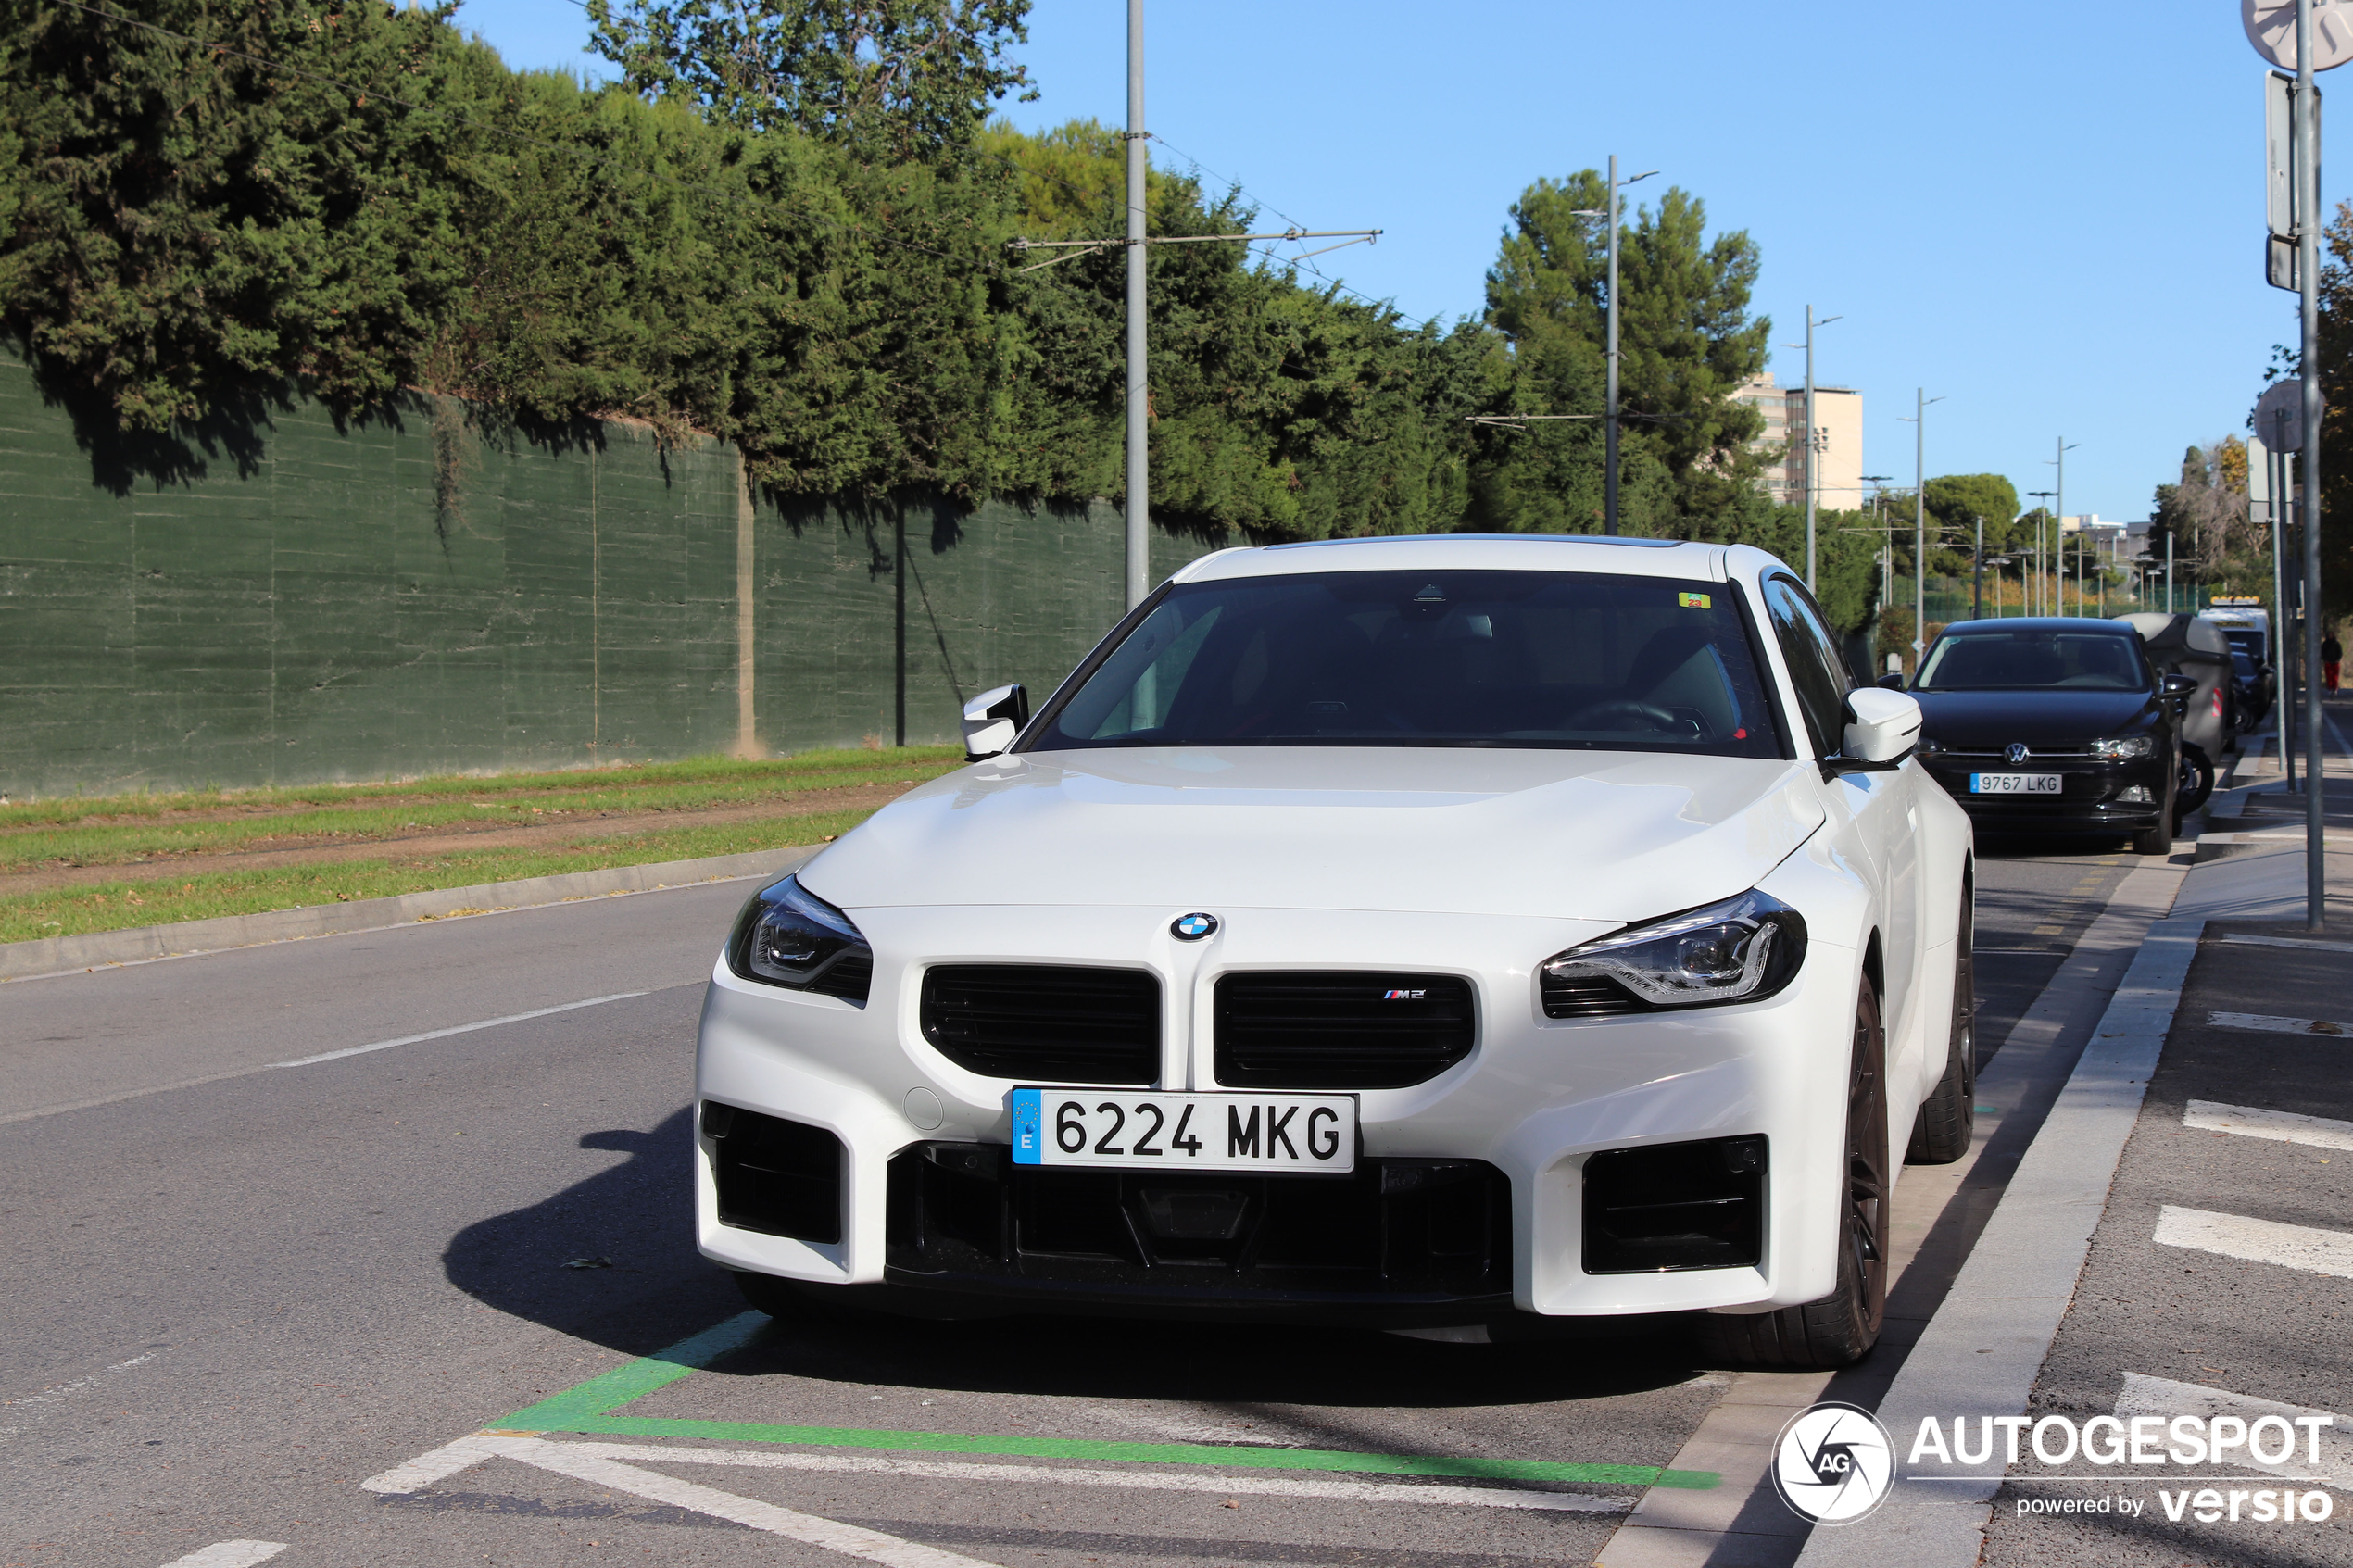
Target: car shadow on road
612,1261
1220,1364
609,1259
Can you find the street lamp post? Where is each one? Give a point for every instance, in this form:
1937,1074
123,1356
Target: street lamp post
2042,598
1877,482
1814,443
2058,526
1609,435
1139,541
1977,573
1919,524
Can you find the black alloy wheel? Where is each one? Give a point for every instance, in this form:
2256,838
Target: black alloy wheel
1948,1119
1841,1328
2197,783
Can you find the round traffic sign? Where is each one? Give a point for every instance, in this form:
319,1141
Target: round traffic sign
2270,27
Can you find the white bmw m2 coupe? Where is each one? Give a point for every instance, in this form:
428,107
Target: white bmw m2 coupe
1432,933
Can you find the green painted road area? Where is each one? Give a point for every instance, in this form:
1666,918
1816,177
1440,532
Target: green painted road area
590,1407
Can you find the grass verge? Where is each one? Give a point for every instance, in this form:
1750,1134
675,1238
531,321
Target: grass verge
102,829
116,906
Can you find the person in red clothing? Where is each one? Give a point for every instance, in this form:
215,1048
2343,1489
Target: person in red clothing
2331,656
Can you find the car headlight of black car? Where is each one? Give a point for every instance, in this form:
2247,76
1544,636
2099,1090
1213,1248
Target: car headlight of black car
2122,748
789,936
1741,951
1929,747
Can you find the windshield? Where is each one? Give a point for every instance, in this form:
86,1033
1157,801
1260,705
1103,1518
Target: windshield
1984,661
1508,658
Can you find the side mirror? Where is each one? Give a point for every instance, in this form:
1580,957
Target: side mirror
2177,686
1892,680
993,719
1881,726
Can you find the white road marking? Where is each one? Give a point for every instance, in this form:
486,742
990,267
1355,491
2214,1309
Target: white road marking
575,1461
54,1395
456,1029
2163,1396
230,1554
2258,1241
2245,940
447,1461
1139,1480
2263,1022
40,1110
2280,1126
438,1465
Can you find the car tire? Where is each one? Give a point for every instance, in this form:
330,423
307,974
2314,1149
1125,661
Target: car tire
1841,1328
766,1293
2197,782
1948,1119
791,1301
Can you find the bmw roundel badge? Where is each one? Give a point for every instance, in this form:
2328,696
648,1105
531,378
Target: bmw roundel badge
1192,928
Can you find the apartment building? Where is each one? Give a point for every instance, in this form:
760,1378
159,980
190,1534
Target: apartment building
1837,446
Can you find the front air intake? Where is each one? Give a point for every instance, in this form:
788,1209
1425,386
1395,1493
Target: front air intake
777,1176
1340,1029
1044,1023
1674,1206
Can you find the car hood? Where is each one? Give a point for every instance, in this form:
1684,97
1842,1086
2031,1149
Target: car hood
1589,834
1977,720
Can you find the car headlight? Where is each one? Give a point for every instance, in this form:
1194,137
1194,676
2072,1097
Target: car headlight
789,936
1928,748
2119,748
1741,951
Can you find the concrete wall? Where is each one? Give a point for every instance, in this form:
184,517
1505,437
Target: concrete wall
278,599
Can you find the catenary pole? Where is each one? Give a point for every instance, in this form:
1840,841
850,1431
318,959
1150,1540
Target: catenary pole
1813,480
2307,270
1977,571
1139,396
1609,435
1919,528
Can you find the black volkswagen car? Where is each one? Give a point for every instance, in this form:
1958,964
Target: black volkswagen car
2053,726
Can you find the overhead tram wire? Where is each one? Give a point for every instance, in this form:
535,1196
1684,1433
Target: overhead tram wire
1032,172
360,93
1258,200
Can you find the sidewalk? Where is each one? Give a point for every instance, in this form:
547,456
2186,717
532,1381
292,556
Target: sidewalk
2179,1241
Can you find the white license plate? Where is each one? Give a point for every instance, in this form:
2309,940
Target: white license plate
2014,783
1140,1130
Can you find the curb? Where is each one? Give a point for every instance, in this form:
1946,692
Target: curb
1983,1349
60,955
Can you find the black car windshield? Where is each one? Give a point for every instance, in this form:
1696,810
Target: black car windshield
1501,658
2035,660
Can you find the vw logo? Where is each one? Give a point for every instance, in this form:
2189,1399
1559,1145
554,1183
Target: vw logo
1833,1463
1192,928
2017,753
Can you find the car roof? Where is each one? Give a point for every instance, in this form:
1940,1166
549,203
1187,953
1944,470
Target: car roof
1465,552
2038,623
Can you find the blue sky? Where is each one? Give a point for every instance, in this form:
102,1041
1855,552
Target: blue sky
2049,215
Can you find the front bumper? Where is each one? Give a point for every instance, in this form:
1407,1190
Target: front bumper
2087,801
1488,1157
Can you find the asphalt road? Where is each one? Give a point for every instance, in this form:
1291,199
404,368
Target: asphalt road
228,1303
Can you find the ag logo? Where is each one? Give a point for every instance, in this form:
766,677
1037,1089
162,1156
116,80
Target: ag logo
1833,1463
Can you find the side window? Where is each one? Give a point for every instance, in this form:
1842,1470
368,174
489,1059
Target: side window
1815,667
